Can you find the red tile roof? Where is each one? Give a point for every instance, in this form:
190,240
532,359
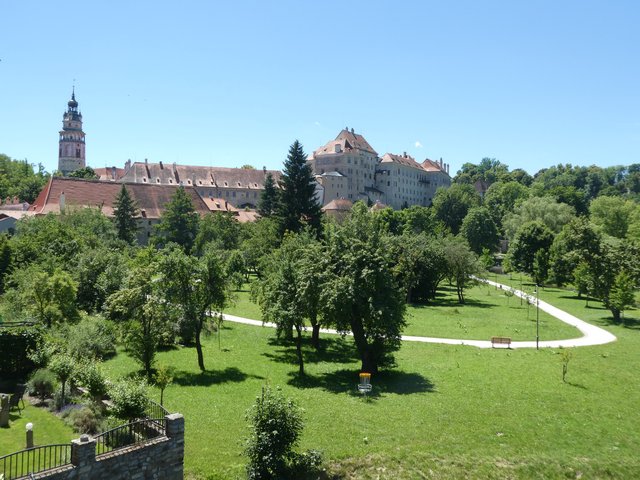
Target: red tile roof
348,140
151,199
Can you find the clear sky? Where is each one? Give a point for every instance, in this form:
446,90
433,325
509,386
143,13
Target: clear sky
532,83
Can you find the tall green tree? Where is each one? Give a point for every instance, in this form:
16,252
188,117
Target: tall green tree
361,295
196,287
461,264
298,206
221,229
612,214
544,209
125,212
140,307
452,204
179,221
479,229
269,198
531,238
578,242
87,173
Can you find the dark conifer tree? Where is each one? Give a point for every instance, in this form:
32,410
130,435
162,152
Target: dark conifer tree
179,221
298,206
125,211
269,198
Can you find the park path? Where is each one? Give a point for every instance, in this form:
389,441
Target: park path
591,335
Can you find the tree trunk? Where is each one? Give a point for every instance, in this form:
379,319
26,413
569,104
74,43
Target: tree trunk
368,362
161,396
64,382
315,332
616,314
299,350
315,336
199,350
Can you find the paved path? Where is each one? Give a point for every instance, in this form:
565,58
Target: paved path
592,335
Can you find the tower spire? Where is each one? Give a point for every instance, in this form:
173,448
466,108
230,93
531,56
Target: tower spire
71,153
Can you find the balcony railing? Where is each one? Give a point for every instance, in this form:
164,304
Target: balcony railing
34,460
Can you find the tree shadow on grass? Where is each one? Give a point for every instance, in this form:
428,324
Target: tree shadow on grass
211,377
332,350
346,381
452,303
632,323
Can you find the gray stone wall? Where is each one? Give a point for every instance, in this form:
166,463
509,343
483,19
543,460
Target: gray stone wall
160,459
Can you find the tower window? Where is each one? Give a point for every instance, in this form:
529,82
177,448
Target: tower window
77,153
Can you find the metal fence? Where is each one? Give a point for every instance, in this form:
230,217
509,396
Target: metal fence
34,460
129,434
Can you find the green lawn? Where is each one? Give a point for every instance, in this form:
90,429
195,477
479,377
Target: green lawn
446,318
445,412
47,429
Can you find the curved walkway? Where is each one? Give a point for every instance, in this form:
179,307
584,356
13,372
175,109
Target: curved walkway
592,335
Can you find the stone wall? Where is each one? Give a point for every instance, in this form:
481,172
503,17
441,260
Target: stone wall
160,458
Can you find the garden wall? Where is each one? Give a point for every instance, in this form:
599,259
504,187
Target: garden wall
158,459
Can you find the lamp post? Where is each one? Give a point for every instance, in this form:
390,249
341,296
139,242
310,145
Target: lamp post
29,427
537,317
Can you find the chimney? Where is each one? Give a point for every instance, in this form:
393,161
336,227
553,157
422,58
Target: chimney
351,129
146,162
174,167
61,202
161,167
264,169
113,172
404,154
127,164
441,163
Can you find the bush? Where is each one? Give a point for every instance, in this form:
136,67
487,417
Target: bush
91,376
276,424
84,420
42,383
130,398
306,465
93,337
16,345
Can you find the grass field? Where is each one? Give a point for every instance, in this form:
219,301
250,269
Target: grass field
446,318
47,428
445,412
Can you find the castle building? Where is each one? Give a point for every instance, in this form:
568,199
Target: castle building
239,187
349,168
71,153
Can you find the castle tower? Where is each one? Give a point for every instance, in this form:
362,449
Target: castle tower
71,153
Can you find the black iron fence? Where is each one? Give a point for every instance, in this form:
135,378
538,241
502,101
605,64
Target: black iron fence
34,460
131,433
155,410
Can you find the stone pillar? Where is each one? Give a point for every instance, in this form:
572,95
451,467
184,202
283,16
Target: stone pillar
175,433
4,410
83,455
175,425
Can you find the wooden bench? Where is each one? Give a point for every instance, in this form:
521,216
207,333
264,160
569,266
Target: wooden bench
501,341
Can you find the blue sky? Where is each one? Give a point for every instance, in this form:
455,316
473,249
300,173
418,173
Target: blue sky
531,83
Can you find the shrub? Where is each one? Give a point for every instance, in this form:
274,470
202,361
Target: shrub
93,337
63,367
306,464
84,420
91,376
42,383
130,398
276,424
16,345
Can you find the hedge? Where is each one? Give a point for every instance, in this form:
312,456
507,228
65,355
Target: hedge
15,345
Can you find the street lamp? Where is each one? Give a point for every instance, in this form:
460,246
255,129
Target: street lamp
29,427
537,317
